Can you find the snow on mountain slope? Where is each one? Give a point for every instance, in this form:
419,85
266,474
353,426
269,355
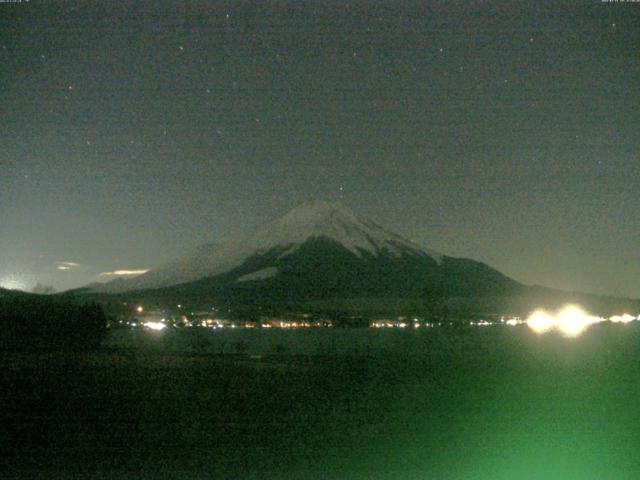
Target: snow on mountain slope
259,275
309,220
333,221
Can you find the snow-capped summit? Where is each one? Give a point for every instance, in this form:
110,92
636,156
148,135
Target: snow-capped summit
335,222
285,235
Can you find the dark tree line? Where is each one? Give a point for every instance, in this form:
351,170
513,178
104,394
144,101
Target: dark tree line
33,323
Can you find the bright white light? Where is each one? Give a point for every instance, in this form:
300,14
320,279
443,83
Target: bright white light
571,321
512,322
155,325
540,321
140,309
625,318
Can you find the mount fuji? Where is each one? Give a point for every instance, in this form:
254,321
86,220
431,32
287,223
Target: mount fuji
318,250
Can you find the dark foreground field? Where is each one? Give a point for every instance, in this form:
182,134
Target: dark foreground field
493,403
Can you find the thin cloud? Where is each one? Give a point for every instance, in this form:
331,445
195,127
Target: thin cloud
66,265
117,273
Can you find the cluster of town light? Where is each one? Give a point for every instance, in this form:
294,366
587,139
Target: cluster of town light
154,320
570,320
400,322
155,325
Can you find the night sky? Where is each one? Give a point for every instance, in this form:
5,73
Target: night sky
134,131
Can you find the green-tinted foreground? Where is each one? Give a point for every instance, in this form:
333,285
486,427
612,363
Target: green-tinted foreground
493,403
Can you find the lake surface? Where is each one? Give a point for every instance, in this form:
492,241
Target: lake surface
475,403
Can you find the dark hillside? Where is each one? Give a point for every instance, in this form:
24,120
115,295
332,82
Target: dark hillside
36,323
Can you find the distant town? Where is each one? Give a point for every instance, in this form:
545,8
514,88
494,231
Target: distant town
159,319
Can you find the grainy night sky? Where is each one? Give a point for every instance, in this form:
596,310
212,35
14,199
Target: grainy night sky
134,131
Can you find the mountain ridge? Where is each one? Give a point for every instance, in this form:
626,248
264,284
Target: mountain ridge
307,221
321,255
